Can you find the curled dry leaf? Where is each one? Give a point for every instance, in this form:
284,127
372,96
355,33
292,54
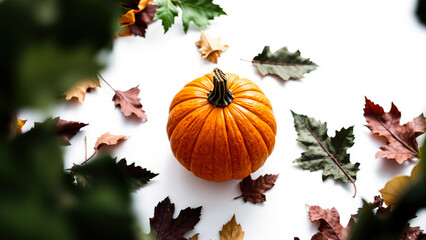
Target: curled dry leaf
401,139
19,124
252,190
79,90
164,226
231,231
330,227
108,139
210,48
130,17
129,103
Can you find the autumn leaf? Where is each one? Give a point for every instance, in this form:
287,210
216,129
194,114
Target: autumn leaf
128,101
142,19
197,11
252,190
79,90
68,129
164,226
195,237
108,139
283,63
324,152
412,233
210,48
136,175
231,230
330,227
401,139
19,124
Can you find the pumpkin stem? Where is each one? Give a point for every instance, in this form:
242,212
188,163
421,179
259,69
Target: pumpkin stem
220,96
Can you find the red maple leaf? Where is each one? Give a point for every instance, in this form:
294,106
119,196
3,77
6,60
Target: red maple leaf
401,139
252,190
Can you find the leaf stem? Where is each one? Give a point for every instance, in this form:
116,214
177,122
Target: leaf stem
238,197
85,161
100,76
334,159
273,63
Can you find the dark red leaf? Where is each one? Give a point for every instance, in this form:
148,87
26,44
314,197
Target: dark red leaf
252,190
142,19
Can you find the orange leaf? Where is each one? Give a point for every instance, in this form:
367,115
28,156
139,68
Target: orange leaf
19,124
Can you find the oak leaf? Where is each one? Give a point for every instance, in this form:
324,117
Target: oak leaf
136,175
324,152
68,129
252,190
231,230
283,63
108,139
129,103
164,226
19,124
210,47
330,227
79,90
401,139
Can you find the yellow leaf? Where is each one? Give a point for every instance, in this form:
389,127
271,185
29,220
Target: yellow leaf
394,188
195,237
231,231
20,123
210,48
79,90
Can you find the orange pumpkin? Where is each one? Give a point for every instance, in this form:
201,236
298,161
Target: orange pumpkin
221,127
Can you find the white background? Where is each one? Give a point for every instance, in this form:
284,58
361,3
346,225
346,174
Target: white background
363,48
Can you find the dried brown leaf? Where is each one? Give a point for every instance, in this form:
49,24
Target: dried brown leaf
67,129
231,230
210,47
252,190
129,103
195,237
330,227
401,139
108,139
79,90
142,19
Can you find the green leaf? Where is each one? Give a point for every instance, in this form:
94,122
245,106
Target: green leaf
328,154
167,12
199,12
283,63
136,175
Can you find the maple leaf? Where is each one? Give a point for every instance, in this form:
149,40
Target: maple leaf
68,129
79,90
330,227
283,63
197,11
412,233
401,139
128,101
142,19
324,152
164,226
19,124
210,48
231,231
252,190
136,175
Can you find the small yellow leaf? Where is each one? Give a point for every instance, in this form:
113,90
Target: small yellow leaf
20,123
394,188
79,90
195,237
231,231
210,48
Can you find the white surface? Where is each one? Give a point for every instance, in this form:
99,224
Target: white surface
364,48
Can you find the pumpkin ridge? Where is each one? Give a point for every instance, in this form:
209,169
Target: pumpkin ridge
245,143
227,142
193,110
248,110
254,126
196,138
268,106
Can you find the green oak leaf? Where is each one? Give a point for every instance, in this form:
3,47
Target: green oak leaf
283,63
166,11
199,12
324,152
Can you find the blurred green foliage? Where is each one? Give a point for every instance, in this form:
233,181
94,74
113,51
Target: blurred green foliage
46,47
